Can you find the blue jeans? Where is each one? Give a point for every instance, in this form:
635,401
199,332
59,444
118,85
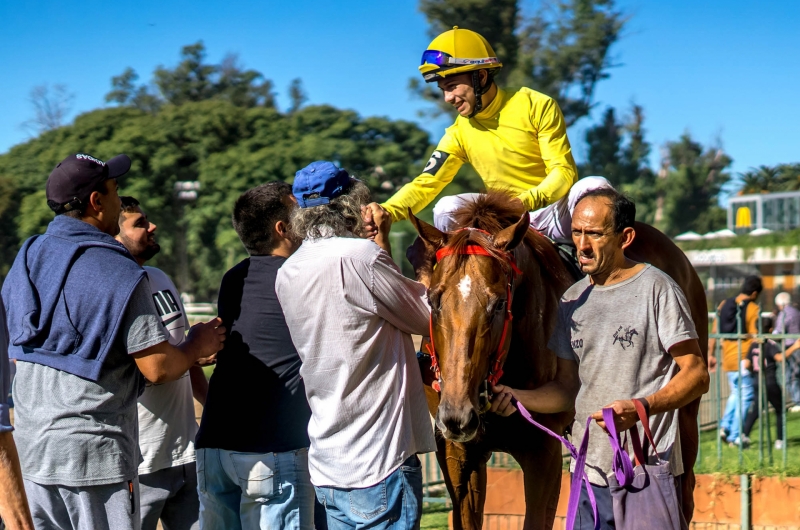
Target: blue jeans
793,378
393,503
584,519
730,420
254,491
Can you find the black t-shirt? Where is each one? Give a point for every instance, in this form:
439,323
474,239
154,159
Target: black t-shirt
770,349
729,313
256,399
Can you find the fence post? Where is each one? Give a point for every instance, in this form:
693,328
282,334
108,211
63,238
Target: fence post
739,391
717,355
744,486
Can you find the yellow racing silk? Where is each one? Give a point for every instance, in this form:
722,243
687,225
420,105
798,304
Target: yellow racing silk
517,143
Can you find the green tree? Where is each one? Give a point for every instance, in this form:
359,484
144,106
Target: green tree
688,187
562,50
297,96
761,180
193,79
766,179
229,142
604,142
619,151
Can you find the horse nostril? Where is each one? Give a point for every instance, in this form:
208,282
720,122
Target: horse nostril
473,421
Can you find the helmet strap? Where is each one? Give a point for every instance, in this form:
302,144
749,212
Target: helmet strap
480,90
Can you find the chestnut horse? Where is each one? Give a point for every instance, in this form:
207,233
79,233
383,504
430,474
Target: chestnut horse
496,258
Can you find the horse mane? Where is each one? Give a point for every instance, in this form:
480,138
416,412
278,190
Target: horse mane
492,212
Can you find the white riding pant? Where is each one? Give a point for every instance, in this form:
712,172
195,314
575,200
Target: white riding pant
554,221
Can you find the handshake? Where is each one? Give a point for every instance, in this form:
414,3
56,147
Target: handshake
377,221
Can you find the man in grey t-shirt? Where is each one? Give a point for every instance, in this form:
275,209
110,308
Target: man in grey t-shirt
624,332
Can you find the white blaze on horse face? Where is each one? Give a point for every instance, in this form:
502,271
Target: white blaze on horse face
465,287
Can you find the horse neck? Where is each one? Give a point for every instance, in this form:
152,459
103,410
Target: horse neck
535,310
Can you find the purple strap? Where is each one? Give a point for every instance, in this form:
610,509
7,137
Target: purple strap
580,464
621,464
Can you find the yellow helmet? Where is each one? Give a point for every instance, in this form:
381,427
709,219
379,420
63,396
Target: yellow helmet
457,51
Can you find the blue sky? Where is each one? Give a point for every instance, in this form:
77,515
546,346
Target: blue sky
725,71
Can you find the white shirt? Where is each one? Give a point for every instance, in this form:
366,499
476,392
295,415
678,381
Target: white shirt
167,425
351,313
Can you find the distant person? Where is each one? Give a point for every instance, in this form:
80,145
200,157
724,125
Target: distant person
733,312
84,329
167,426
788,321
765,354
252,448
351,313
14,511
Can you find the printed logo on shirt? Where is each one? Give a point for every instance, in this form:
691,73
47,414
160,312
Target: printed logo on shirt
168,309
576,344
624,336
435,162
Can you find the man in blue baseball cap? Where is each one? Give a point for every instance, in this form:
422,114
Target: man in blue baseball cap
351,313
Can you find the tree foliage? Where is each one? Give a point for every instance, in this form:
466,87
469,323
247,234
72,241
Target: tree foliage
51,105
767,179
618,150
561,50
688,187
193,79
685,193
218,128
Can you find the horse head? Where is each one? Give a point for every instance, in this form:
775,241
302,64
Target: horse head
470,291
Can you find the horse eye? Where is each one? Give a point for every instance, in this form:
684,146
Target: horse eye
433,300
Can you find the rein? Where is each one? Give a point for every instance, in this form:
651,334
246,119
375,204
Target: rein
496,370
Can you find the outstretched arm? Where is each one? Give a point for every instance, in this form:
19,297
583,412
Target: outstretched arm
556,396
164,362
442,166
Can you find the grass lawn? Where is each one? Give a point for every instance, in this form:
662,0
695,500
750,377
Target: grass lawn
434,517
709,463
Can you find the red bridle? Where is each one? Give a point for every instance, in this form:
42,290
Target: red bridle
496,371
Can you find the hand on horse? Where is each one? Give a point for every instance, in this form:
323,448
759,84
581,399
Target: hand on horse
625,415
501,400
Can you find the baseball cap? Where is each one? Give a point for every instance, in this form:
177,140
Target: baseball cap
71,182
319,178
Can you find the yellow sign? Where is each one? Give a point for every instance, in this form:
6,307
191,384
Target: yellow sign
743,217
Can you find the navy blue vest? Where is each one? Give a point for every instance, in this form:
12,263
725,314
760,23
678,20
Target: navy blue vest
66,295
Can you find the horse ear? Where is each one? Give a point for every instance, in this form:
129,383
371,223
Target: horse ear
509,238
428,233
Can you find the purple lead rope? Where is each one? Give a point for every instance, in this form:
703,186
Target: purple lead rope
621,465
580,464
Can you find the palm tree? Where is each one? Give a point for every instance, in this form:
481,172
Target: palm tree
763,179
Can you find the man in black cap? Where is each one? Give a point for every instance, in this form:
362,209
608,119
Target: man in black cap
83,327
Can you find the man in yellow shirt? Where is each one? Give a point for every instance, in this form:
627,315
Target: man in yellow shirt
516,139
737,315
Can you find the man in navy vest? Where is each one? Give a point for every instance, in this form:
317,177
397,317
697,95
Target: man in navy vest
83,328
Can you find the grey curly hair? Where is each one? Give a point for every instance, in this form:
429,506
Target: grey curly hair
339,218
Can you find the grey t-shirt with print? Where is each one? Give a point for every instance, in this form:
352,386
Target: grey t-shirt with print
620,336
76,432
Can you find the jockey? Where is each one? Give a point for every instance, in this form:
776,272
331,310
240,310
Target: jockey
516,139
